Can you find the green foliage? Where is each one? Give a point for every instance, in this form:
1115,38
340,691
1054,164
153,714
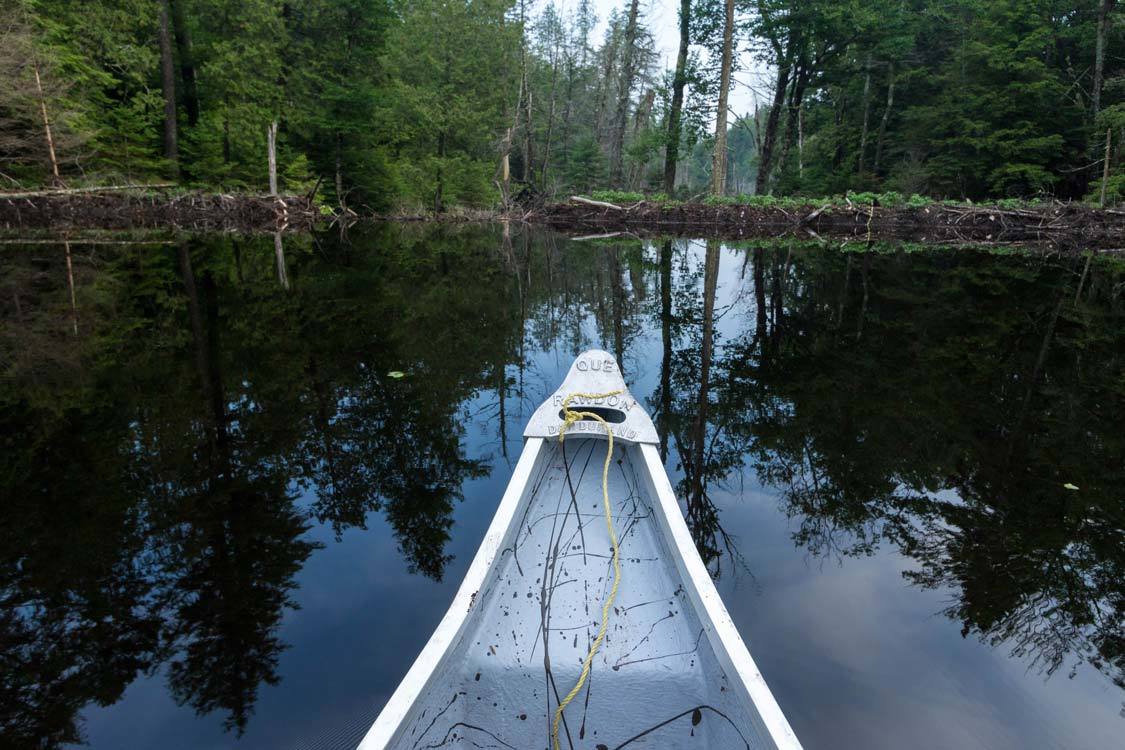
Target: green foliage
411,104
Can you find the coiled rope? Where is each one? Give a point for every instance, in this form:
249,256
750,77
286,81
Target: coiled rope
570,416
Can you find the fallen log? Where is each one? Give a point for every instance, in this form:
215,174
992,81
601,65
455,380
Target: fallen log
599,204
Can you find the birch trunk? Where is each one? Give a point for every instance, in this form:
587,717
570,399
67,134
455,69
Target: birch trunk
271,147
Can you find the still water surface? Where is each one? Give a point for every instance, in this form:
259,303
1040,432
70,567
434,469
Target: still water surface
225,525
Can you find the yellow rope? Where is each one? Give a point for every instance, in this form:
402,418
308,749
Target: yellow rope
572,416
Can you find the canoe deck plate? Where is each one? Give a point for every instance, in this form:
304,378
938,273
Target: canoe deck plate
594,371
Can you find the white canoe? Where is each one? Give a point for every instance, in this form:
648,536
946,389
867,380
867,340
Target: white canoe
672,672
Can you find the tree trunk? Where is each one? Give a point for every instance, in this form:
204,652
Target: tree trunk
271,148
1104,6
56,180
550,121
886,116
796,98
719,155
603,86
439,198
190,91
666,341
70,283
340,170
628,71
769,138
567,108
640,122
1105,167
226,133
279,255
710,285
679,81
866,117
168,85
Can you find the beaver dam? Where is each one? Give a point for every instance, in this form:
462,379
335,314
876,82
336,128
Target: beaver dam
149,208
1067,225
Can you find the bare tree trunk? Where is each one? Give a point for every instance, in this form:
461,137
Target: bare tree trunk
628,72
46,125
675,114
226,133
866,117
1104,6
439,197
1105,167
340,170
70,283
666,341
769,138
528,173
800,141
886,116
710,285
719,155
603,85
168,86
796,99
187,62
279,255
550,121
640,122
505,169
567,110
271,147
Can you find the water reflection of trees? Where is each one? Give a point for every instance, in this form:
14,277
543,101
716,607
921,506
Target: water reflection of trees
941,402
158,482
160,468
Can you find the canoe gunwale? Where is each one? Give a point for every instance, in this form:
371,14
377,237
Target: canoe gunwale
726,642
440,647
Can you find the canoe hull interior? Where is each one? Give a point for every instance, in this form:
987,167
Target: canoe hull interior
513,643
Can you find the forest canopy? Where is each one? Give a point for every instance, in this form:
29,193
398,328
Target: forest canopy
428,104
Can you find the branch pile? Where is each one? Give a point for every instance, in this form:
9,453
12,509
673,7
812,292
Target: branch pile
128,209
1054,222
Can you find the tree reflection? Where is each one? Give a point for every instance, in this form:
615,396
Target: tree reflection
161,467
943,404
163,481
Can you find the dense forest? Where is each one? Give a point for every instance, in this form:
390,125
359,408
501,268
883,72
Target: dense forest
428,104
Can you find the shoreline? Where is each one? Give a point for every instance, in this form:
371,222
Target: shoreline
1059,225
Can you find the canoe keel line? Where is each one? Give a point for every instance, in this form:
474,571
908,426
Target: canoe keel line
672,671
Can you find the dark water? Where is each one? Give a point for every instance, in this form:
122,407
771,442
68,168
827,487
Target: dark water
225,525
